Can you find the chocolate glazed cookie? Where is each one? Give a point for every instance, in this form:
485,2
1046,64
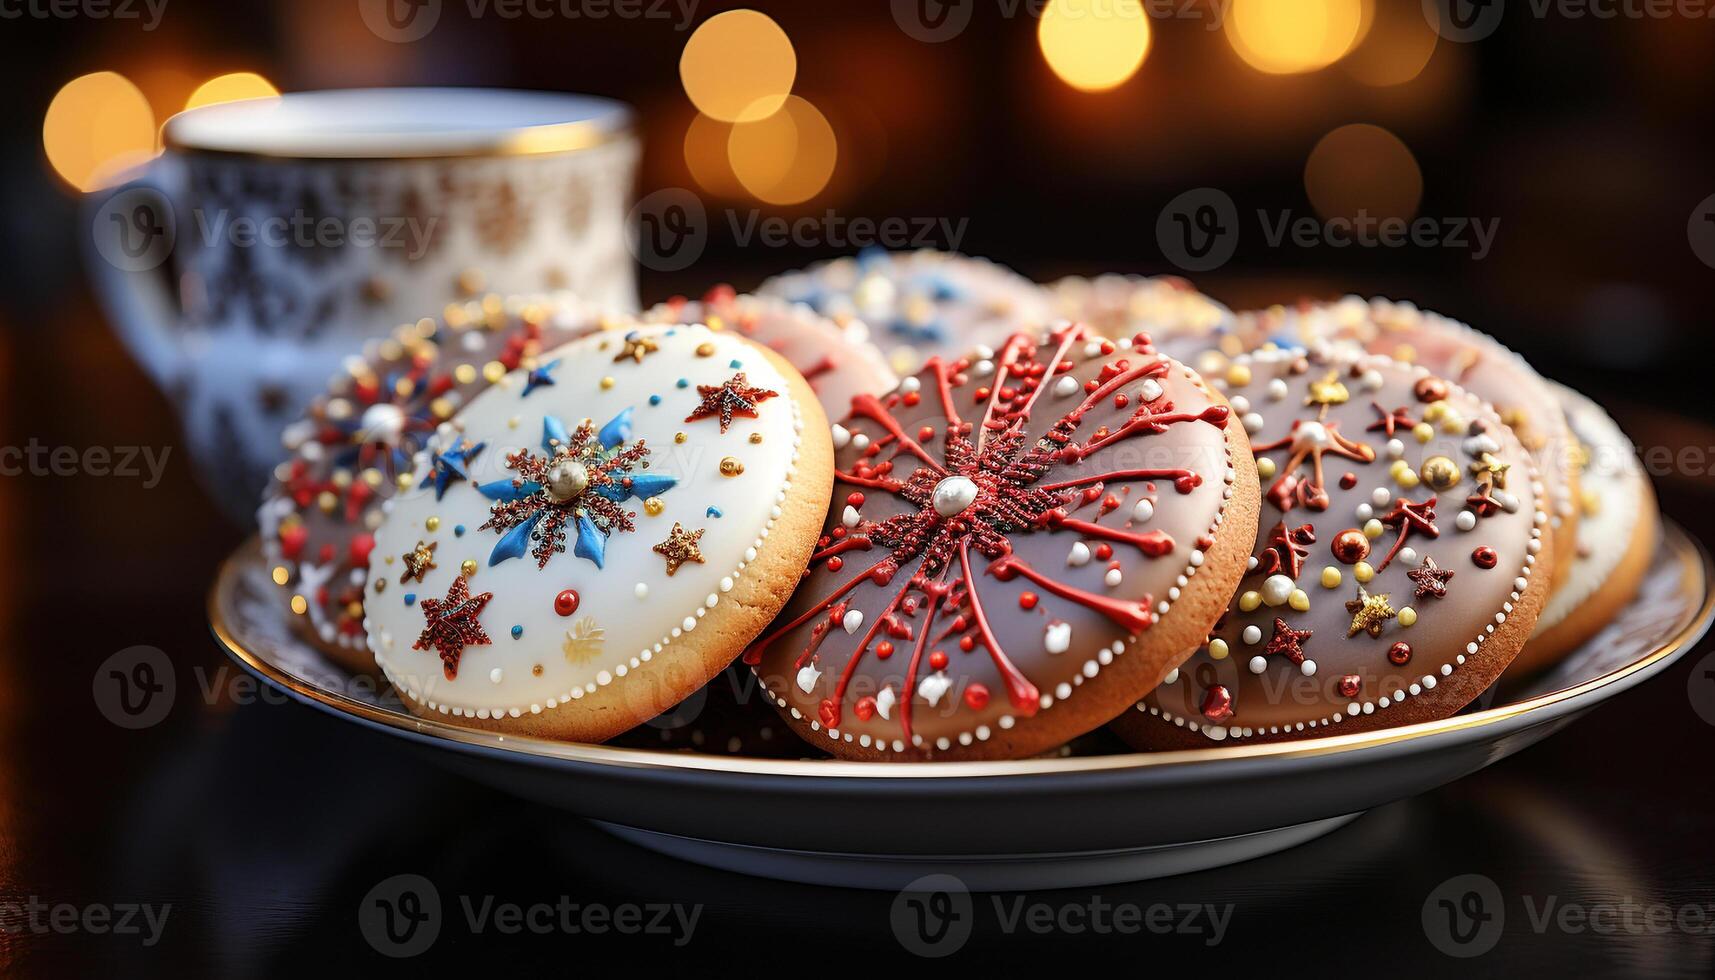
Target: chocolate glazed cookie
1019,546
1401,559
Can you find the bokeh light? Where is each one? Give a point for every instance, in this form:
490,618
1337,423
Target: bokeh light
97,126
1395,48
786,158
706,156
1286,36
738,66
1093,45
232,87
1360,167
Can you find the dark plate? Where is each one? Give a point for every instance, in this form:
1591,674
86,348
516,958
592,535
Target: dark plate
1051,822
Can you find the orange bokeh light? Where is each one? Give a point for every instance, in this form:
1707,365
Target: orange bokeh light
1094,46
738,66
786,158
1360,167
96,127
232,87
1283,37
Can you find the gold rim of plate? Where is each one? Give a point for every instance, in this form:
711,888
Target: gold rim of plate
1695,567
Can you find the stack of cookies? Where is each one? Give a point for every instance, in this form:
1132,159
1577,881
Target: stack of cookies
908,507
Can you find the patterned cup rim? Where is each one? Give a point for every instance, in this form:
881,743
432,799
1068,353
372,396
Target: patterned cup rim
400,123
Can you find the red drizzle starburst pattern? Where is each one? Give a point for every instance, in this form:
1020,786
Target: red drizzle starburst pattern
1013,495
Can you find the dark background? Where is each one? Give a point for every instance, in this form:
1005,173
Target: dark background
265,825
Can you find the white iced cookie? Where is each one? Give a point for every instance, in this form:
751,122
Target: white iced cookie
593,539
1617,531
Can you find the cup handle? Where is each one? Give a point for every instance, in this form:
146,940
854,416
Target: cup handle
130,230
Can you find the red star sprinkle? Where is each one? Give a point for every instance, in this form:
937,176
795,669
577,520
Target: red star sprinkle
1429,579
1287,642
452,626
1399,418
727,400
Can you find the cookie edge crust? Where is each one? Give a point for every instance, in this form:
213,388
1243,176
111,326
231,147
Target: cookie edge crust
1605,601
695,658
1109,694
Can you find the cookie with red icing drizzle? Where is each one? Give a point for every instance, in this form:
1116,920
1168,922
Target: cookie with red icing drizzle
1401,559
1018,547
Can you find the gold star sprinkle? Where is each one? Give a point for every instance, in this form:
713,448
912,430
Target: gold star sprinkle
680,547
1490,471
418,561
1328,391
1370,613
637,347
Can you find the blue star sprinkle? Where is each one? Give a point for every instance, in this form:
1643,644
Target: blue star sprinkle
449,466
539,377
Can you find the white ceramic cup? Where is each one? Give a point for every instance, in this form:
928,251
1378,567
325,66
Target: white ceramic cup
273,237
